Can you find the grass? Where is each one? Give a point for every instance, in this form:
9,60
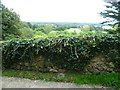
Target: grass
109,80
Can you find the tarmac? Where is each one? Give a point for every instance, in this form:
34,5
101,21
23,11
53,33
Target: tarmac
14,82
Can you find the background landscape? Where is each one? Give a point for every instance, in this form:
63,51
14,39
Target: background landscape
80,40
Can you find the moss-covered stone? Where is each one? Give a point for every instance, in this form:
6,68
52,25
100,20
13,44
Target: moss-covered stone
99,65
39,63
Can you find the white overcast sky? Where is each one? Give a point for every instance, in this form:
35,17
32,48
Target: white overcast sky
85,11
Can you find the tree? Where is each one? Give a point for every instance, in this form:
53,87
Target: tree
35,26
30,25
0,23
40,29
60,27
26,33
86,28
112,14
48,28
10,23
25,25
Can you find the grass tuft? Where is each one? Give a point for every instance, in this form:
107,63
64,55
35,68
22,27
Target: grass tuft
109,79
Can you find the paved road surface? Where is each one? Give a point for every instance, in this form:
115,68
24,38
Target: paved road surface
12,82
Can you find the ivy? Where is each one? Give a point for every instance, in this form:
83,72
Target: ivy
68,53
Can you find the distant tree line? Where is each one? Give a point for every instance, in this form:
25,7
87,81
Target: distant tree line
14,28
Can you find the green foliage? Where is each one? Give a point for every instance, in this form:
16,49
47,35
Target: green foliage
93,33
10,23
26,33
76,33
29,25
56,34
25,24
39,34
113,56
112,14
48,28
109,80
67,53
61,27
40,29
86,28
106,80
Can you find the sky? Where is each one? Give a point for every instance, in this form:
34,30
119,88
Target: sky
84,11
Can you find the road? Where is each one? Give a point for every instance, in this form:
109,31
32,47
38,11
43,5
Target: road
13,82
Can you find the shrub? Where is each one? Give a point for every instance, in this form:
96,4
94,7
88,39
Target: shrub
72,53
26,32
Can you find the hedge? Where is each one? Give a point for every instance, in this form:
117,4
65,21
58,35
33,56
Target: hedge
72,53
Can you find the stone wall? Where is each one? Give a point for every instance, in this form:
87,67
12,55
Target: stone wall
39,63
97,65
